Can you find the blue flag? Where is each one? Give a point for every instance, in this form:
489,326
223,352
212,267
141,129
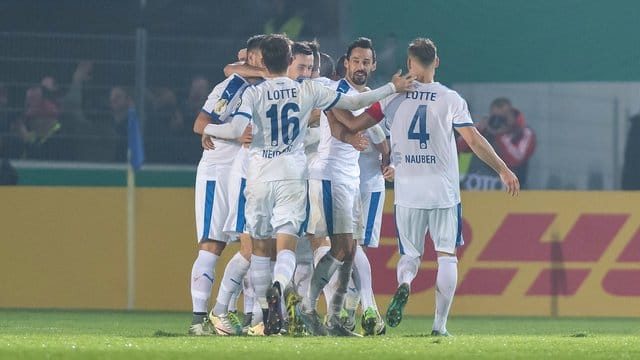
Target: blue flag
134,142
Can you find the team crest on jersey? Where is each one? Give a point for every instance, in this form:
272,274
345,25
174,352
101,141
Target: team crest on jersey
220,106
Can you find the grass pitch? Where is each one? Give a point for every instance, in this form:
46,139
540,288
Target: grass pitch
37,334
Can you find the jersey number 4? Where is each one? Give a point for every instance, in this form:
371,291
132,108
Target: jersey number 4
283,123
418,127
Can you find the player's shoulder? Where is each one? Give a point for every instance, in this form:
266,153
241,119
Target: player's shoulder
446,91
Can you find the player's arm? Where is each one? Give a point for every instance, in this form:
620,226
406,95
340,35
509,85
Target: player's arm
481,147
342,133
231,130
245,70
354,102
379,140
203,119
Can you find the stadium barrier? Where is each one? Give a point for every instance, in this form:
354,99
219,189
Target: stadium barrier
541,254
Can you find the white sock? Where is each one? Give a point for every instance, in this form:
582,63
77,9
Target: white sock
285,266
247,294
352,299
362,267
326,267
343,276
202,278
446,281
319,253
257,314
233,301
302,277
260,272
231,283
407,269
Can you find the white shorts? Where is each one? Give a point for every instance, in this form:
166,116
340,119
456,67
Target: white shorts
372,206
211,200
275,207
444,226
235,223
335,208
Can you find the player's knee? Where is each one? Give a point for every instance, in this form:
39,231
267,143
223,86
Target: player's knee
212,246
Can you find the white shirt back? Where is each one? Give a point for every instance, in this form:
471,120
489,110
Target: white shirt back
336,160
280,110
220,105
423,147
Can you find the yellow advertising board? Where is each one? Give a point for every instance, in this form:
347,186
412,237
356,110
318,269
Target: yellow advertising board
540,254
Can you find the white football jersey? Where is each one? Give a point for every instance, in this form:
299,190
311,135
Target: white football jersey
423,147
279,109
221,103
370,161
335,160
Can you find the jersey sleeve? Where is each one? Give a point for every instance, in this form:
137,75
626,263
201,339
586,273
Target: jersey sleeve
213,99
244,108
324,98
460,112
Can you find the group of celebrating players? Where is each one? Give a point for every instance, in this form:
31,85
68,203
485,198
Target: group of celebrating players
294,167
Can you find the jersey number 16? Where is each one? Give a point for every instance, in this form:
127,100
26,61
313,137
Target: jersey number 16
286,121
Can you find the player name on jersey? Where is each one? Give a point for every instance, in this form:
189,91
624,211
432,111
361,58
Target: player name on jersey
270,154
421,95
282,94
419,159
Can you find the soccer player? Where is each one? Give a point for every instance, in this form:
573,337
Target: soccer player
335,199
211,202
276,180
224,321
372,193
427,189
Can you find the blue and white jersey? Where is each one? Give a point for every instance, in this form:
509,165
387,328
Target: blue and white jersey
221,103
279,109
370,161
423,147
335,160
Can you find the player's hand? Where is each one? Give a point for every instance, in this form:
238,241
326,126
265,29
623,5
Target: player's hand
358,141
207,142
242,54
402,82
247,135
510,180
389,173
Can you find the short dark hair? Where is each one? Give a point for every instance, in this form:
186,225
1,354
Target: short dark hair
300,48
363,43
327,66
254,42
315,51
424,50
276,52
500,102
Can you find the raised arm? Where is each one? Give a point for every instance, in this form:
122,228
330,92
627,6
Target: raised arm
230,130
481,147
243,69
398,83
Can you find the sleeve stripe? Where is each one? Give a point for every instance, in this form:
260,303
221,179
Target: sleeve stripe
334,102
463,125
205,111
243,114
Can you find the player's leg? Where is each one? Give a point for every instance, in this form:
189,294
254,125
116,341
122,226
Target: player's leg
289,215
411,225
211,244
446,231
372,205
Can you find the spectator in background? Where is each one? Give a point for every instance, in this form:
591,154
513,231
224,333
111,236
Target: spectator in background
631,167
168,139
507,131
198,92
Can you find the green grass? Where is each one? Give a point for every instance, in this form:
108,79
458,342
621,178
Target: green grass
29,334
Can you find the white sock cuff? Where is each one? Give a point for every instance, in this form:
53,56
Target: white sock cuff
207,255
447,259
261,260
241,260
286,253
